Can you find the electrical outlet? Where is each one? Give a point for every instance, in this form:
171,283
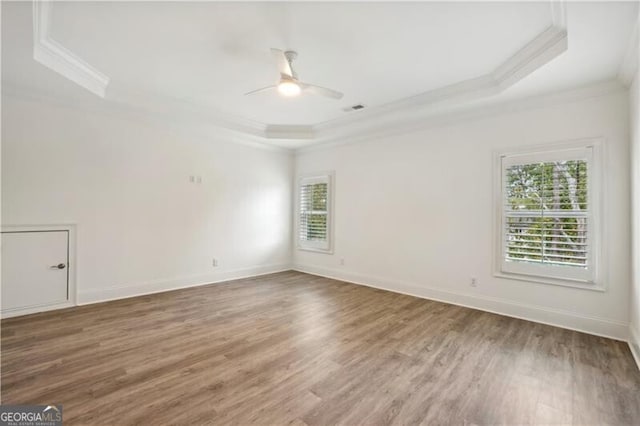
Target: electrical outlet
474,282
214,262
342,261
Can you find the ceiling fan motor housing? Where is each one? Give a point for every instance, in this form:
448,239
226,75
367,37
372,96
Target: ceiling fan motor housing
291,55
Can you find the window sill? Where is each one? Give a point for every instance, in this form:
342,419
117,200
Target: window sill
551,281
316,250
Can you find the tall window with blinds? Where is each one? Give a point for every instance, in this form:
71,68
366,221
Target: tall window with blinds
547,222
314,214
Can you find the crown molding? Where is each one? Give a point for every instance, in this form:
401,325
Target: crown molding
479,110
185,124
538,52
131,98
558,14
288,132
629,65
53,55
541,50
384,119
181,121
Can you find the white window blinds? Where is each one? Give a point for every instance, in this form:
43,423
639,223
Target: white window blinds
314,213
547,227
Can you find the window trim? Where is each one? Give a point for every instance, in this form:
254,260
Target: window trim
325,248
596,223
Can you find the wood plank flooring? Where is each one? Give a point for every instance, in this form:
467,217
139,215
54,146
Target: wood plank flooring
292,348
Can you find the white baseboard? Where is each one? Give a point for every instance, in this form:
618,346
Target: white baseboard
634,344
555,317
10,313
121,292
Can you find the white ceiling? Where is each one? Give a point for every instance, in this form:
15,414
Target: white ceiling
375,53
599,35
209,54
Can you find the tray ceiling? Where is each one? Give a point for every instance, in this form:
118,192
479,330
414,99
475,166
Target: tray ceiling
213,53
387,56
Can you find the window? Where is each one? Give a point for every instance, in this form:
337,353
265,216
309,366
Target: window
314,218
549,215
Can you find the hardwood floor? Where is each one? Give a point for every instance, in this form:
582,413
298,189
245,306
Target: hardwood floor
292,348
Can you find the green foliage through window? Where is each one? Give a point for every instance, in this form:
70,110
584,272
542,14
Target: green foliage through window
546,213
313,212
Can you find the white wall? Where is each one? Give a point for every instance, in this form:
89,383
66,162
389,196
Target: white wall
634,95
413,213
141,226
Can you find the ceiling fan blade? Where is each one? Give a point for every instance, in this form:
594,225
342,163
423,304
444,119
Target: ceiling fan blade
283,64
260,90
323,91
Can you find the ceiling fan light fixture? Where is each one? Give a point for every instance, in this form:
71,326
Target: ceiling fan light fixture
289,88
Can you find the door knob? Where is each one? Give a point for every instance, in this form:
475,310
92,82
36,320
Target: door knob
58,266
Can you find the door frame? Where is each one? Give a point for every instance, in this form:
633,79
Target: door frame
71,268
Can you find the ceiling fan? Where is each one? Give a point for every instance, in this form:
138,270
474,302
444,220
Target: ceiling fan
289,85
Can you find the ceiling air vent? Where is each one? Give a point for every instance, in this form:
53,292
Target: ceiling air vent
353,108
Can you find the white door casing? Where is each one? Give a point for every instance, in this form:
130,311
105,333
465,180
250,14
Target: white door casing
36,273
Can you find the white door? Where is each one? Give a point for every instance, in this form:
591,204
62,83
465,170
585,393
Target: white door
35,268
